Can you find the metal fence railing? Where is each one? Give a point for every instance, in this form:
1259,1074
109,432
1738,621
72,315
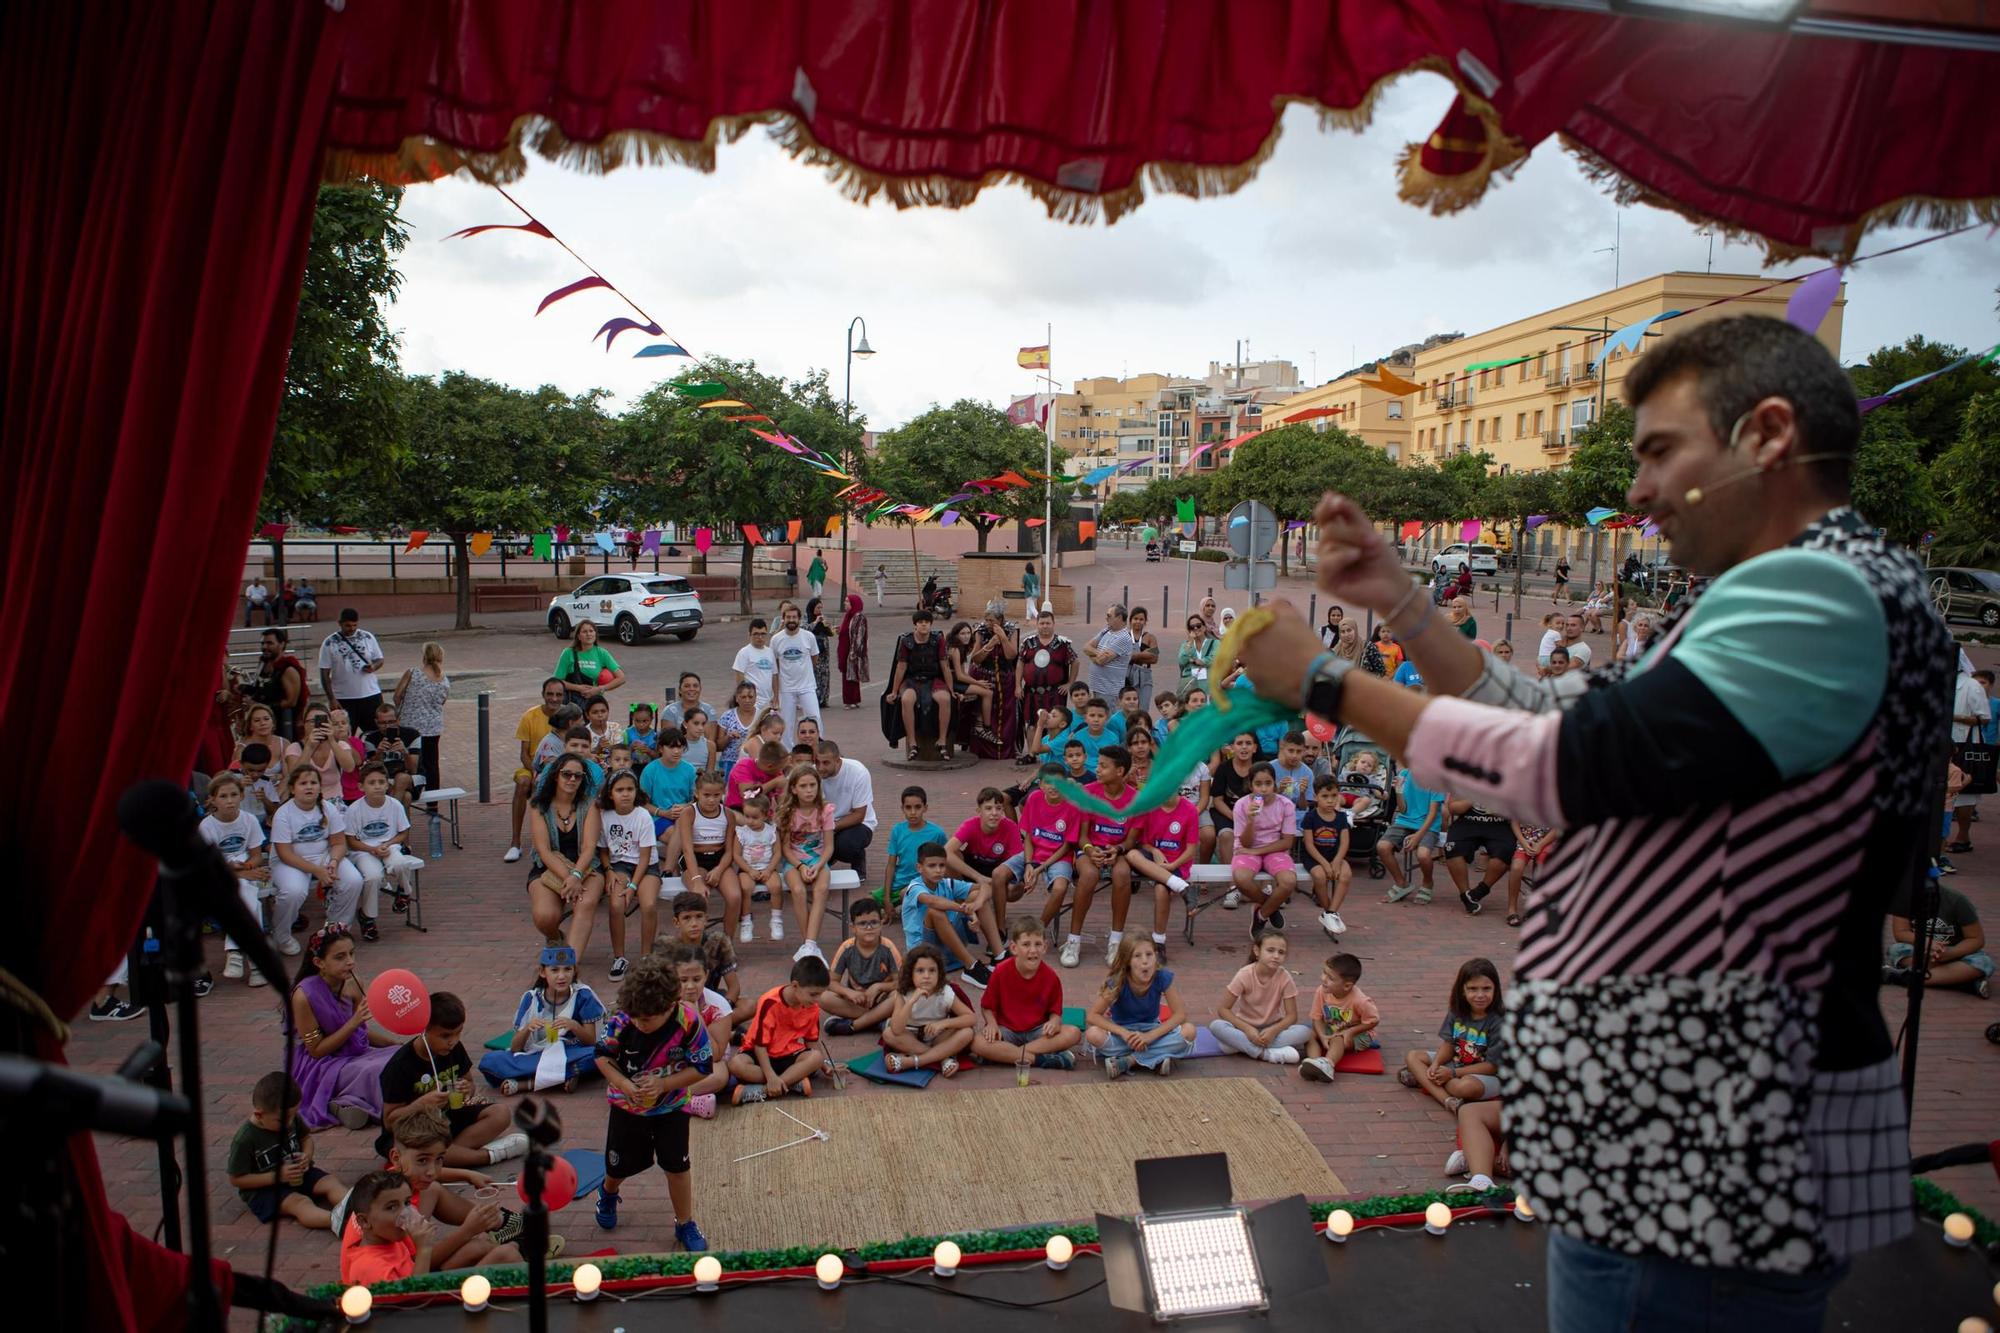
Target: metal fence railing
507,558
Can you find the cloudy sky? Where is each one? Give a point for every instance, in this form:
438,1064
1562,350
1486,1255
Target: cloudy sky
1315,260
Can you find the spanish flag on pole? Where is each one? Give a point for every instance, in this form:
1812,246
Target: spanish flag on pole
1034,358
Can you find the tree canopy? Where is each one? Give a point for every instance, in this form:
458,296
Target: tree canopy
927,459
1934,411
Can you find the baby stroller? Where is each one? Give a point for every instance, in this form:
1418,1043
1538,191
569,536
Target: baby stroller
1152,553
1348,743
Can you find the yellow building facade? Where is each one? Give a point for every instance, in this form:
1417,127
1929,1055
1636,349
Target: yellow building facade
1378,418
1527,414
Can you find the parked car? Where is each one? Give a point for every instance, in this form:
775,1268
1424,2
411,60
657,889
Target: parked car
1484,559
1966,594
630,607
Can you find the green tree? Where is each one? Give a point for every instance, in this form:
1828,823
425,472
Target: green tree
1967,475
1599,472
1290,468
1891,486
476,456
1517,497
671,460
929,458
1932,411
337,419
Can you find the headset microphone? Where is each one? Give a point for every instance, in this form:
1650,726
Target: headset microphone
1694,495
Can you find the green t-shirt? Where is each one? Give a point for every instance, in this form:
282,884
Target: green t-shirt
592,661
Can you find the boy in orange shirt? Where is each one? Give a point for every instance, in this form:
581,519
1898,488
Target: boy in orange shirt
778,1054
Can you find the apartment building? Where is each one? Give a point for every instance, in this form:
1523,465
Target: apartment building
1378,418
1526,414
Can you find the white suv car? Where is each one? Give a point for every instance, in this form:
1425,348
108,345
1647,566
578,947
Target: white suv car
1484,559
630,607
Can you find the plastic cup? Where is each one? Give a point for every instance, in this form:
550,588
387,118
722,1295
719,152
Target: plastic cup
456,1100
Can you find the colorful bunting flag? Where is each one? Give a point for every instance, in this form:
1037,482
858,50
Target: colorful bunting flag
752,534
722,402
1085,529
1313,413
606,544
1495,365
649,542
792,529
658,349
1815,296
1536,520
750,416
1033,522
481,543
1412,530
1184,509
562,532
703,389
833,525
613,327
1630,336
418,537
542,545
272,532
1468,531
580,285
947,518
703,539
1598,515
531,226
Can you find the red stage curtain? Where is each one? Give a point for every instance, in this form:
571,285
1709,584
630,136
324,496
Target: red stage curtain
1803,140
157,191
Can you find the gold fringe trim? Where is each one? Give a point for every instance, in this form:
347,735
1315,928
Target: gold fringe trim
1924,211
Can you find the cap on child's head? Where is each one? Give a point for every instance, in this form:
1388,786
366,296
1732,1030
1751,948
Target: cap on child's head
558,955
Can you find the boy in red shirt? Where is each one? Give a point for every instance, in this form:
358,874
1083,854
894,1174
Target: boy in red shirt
1168,840
778,1054
385,1239
1020,1016
1106,839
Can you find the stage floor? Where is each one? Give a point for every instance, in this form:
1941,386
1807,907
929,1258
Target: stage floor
1485,1276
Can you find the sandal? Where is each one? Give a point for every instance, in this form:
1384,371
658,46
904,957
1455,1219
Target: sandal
1452,1104
896,1063
1513,918
915,754
949,1067
1406,1078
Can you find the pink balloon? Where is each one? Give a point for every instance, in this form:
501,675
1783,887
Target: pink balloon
400,1002
1484,644
558,1186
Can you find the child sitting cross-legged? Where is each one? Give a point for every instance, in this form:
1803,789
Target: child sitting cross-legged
432,1072
691,928
931,1024
1137,1018
271,1159
481,1232
1021,1012
861,993
691,968
778,1054
653,1050
556,1013
1465,1067
1260,1006
1343,1019
386,1238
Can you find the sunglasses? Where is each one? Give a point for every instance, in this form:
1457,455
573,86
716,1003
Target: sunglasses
569,775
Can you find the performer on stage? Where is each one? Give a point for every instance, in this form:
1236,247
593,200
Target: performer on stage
1701,1096
1046,666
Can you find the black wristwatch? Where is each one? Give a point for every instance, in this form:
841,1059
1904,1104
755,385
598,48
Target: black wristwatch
1323,686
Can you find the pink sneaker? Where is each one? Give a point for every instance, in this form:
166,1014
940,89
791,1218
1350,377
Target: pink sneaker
702,1105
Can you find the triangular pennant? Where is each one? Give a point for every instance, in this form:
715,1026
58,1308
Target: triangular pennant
750,416
793,528
531,226
722,402
1086,529
706,389
606,544
650,542
833,525
752,534
562,532
613,327
418,536
1184,509
658,349
703,539
947,518
481,543
580,285
272,532
542,545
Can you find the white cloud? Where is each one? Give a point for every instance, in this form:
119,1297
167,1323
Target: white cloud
1315,260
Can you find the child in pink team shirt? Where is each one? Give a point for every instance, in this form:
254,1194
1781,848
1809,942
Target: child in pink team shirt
1169,837
1053,828
987,847
1106,839
1266,824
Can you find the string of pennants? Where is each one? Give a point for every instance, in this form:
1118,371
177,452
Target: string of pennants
717,395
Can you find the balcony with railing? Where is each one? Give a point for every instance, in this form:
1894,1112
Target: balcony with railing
1554,440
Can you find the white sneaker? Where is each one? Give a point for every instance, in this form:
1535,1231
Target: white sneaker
257,978
1282,1055
1175,884
507,1145
1231,900
1331,923
777,925
1110,953
513,855
1481,1184
810,949
286,945
1454,1165
232,964
746,930
1072,953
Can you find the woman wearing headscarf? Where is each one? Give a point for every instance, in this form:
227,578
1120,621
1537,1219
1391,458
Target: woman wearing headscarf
1348,644
851,646
1329,633
815,623
1208,614
1459,614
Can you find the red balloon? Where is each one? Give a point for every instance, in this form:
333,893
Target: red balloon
1319,727
400,1002
604,676
558,1186
1484,644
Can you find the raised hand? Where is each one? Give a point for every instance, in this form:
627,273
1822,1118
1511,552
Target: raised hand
1357,565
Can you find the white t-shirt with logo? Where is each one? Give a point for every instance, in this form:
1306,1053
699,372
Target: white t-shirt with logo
236,839
625,836
308,831
376,824
795,651
347,657
759,666
1191,784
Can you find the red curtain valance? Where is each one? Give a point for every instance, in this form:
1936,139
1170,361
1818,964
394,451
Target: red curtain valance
1804,141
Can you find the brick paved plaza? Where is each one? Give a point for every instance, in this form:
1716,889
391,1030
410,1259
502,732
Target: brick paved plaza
1376,1136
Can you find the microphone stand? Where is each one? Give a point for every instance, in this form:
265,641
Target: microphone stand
1925,900
146,970
181,952
537,1117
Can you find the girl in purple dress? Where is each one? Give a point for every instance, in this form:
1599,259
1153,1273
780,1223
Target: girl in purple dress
338,1061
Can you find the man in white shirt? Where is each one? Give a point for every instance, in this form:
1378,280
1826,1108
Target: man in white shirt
349,660
256,602
798,692
1969,714
1570,639
756,663
850,790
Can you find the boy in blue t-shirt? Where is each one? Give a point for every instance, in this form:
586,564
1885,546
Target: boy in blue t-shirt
668,784
1294,774
904,840
1419,825
932,901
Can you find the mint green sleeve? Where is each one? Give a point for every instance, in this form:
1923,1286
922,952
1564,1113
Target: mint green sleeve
1794,645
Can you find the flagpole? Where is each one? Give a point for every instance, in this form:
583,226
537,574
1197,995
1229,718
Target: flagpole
1049,466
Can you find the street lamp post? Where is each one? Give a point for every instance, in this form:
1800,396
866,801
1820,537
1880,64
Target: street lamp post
864,351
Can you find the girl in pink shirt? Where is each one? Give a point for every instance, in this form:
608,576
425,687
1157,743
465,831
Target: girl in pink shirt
1266,824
